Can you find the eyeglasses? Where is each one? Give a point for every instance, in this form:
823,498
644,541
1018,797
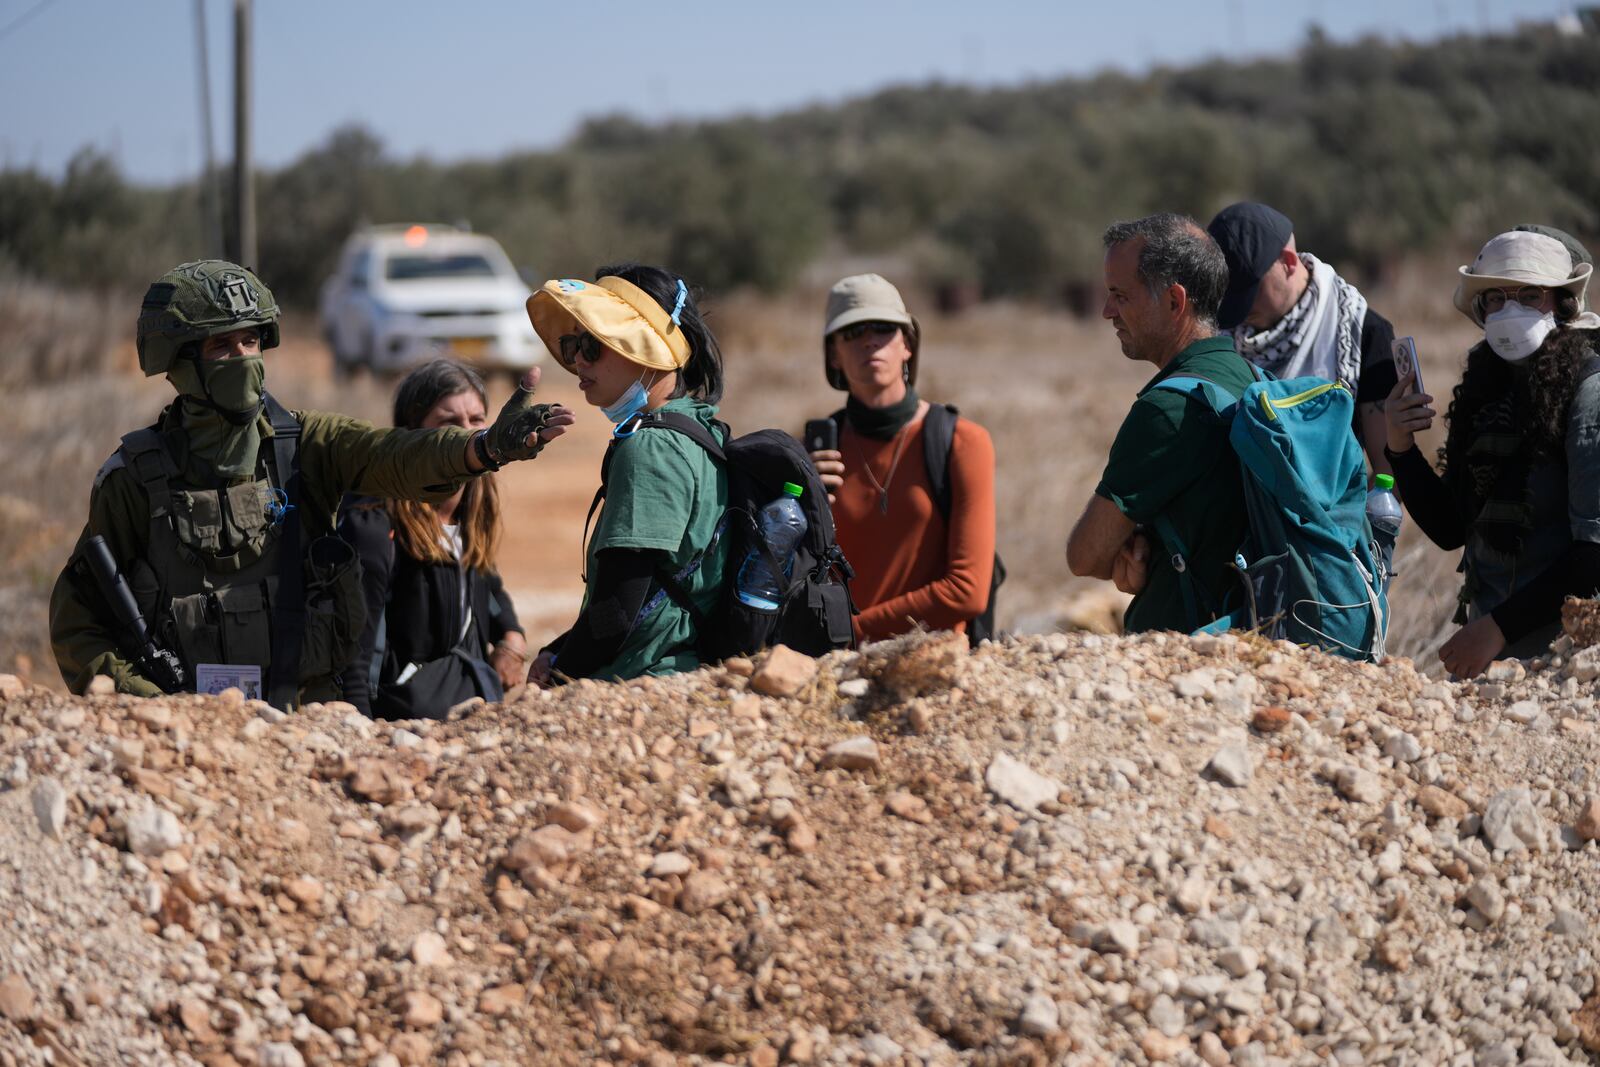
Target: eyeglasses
578,345
1492,300
876,329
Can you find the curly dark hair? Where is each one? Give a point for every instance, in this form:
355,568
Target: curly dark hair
1543,393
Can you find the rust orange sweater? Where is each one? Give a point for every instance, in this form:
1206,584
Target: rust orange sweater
911,566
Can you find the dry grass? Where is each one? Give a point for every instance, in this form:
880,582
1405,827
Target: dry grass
1050,388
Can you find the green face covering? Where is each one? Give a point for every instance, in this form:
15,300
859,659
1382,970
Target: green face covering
221,411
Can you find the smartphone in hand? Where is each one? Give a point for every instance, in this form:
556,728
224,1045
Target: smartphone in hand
822,435
1406,362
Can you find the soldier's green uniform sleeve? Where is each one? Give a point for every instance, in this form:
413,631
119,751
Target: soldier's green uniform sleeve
340,455
80,622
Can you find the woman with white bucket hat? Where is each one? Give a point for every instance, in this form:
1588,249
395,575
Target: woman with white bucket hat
1518,487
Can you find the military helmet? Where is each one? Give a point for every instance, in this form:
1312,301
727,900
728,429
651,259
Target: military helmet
198,300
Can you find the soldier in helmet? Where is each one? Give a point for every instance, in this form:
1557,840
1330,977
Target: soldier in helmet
220,516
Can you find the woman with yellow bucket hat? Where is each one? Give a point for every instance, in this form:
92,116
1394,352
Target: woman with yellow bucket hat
637,343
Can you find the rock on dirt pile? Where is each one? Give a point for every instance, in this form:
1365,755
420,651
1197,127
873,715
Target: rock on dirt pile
1068,849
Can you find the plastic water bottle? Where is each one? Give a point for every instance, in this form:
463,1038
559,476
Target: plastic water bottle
1383,512
783,524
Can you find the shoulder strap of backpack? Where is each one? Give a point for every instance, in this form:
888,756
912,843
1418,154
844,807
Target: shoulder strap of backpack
1587,369
1219,398
693,429
289,611
938,437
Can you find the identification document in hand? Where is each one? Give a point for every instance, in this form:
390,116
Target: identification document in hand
213,678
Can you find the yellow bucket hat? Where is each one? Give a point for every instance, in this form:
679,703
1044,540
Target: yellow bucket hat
624,317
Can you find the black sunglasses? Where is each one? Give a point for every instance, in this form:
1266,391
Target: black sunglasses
876,329
578,345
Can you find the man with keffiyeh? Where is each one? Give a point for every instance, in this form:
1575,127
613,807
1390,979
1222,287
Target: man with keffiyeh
1291,314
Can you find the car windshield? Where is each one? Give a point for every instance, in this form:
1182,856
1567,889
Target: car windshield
461,265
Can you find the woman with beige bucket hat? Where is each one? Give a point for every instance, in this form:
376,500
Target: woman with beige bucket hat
1519,484
637,344
921,539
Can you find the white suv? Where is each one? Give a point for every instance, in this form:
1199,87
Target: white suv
404,294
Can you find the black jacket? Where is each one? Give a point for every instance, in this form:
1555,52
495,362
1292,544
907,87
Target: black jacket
419,603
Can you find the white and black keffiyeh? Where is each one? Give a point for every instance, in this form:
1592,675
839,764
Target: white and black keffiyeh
1320,335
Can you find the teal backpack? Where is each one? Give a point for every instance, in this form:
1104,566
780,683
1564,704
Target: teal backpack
1308,571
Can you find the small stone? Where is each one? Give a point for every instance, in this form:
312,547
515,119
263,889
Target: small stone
411,1050
1441,804
1403,748
784,672
703,891
100,686
428,950
17,1001
1166,1015
800,838
420,1009
363,912
1018,784
1193,896
1040,1017
1587,826
1238,960
279,1053
1160,1048
908,806
304,891
1119,935
1570,923
331,1011
1485,895
501,999
854,688
574,816
50,806
1523,711
195,1015
153,830
741,787
1231,765
852,754
1360,786
1511,822
1270,720
667,864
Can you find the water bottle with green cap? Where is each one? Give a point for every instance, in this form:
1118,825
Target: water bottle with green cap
1384,514
782,524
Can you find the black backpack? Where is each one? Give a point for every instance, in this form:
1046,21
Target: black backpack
816,611
938,434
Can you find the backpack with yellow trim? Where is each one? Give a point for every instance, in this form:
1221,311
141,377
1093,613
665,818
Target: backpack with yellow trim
1308,570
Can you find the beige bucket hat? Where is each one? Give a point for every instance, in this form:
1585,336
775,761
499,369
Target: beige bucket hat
1517,258
867,298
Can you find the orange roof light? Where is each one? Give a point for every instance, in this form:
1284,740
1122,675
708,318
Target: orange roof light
416,236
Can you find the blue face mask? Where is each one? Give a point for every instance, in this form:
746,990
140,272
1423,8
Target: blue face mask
633,400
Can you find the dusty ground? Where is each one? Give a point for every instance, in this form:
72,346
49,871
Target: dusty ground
1064,849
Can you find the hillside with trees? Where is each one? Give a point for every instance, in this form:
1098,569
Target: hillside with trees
1375,149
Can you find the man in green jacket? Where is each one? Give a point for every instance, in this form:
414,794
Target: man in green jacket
1171,459
219,518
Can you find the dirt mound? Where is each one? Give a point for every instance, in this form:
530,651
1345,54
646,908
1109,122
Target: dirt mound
1068,849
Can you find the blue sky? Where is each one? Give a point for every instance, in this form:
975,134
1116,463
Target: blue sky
476,78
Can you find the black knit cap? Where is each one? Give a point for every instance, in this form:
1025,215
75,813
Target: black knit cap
1251,237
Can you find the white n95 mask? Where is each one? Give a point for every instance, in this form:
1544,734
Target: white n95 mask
1516,332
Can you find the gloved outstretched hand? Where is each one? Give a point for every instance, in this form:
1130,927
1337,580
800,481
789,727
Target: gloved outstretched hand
522,428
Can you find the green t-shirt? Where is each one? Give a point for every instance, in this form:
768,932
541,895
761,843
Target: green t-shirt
1172,458
664,492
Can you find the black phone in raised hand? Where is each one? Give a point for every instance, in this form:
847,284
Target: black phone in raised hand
822,435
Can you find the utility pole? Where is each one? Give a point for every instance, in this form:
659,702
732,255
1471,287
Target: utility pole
244,193
210,188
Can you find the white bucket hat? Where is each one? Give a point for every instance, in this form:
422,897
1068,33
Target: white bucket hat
1512,260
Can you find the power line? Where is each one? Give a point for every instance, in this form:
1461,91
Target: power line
17,23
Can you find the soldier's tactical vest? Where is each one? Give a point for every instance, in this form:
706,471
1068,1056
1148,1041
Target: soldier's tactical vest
226,582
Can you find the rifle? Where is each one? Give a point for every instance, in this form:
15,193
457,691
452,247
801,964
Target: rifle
161,667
